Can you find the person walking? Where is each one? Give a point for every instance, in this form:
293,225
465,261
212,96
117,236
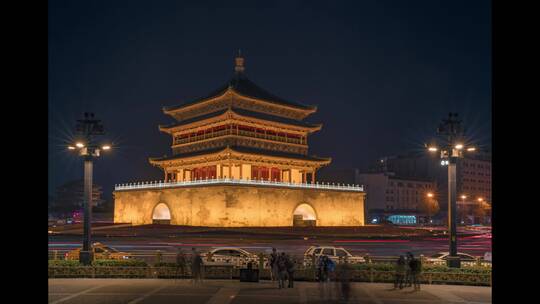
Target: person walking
401,268
180,263
290,270
196,267
273,265
416,270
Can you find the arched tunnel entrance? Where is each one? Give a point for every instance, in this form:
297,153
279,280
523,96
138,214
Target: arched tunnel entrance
304,216
161,214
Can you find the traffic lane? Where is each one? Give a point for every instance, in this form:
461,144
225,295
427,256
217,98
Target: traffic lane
476,246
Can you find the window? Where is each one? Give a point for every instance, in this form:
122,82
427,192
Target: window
317,251
328,251
341,253
99,250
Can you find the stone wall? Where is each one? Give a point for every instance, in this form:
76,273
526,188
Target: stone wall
239,206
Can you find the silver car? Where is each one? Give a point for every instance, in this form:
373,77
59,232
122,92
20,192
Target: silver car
229,256
336,254
441,258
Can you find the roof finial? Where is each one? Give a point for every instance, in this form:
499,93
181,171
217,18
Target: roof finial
239,63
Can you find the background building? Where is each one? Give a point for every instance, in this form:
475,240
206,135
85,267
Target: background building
397,199
69,198
473,179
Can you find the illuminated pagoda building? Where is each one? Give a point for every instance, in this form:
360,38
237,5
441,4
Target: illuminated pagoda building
240,131
240,158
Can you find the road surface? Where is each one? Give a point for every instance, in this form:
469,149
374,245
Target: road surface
145,245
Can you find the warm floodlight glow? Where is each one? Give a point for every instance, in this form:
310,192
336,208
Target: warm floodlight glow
161,212
463,197
79,145
430,194
71,147
432,149
459,146
480,199
306,211
471,149
106,147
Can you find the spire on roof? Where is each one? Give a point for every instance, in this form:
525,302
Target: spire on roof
239,63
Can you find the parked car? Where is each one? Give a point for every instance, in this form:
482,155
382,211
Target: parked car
100,252
337,254
229,256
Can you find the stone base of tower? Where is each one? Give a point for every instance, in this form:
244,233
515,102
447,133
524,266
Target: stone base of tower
239,206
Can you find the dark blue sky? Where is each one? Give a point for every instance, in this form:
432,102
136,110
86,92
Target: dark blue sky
383,73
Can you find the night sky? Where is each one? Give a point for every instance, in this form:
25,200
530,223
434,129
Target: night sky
382,73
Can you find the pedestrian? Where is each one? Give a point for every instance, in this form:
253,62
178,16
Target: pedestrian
325,267
273,264
290,270
196,267
282,269
416,270
344,277
401,268
408,278
180,263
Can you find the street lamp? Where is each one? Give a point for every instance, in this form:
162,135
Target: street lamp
452,148
87,128
463,208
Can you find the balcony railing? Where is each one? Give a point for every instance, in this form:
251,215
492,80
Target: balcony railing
229,181
239,133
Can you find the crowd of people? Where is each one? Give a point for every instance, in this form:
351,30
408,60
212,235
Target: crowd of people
407,272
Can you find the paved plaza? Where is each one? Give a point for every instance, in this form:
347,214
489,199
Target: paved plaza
158,291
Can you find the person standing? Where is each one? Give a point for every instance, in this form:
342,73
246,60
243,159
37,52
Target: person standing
400,272
282,269
180,262
290,270
273,264
416,270
408,278
344,276
196,267
323,277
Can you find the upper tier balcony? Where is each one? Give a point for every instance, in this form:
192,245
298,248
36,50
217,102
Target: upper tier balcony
210,135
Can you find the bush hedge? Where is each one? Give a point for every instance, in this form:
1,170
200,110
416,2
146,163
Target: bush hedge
425,268
75,263
132,263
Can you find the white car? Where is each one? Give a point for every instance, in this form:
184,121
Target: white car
337,254
442,257
229,256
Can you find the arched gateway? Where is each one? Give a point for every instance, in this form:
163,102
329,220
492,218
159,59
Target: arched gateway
161,214
304,216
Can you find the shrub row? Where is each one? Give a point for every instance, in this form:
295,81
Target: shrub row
426,268
75,263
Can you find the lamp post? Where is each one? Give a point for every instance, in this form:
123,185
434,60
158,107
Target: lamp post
451,132
430,196
480,201
87,128
463,208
